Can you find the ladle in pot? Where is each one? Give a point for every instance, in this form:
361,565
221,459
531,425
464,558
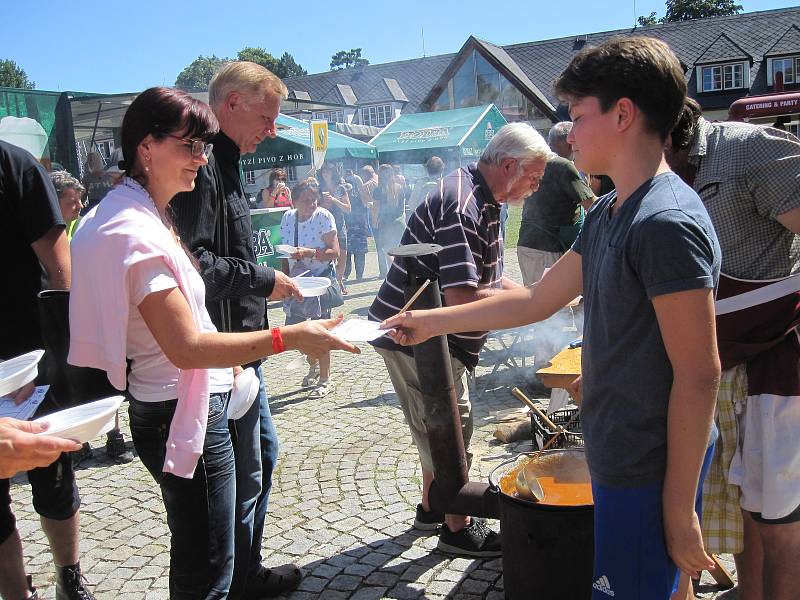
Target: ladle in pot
528,485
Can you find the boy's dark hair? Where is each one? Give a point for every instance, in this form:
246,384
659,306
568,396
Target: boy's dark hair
642,69
683,133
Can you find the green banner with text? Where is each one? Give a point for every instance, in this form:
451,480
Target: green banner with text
267,234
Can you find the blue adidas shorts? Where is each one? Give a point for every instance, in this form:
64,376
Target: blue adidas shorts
630,554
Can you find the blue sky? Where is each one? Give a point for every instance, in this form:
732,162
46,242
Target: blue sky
127,46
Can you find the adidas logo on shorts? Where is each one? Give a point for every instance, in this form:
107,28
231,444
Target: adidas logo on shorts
603,585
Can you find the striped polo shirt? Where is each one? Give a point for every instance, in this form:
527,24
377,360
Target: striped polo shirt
462,216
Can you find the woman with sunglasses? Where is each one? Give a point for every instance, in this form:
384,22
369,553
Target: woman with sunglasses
277,195
137,296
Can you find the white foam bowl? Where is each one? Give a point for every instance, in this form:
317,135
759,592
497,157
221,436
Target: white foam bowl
312,286
19,371
85,422
244,392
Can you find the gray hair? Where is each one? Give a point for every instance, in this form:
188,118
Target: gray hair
63,181
519,141
559,132
246,78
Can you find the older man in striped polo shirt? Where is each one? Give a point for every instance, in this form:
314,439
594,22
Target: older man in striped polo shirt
462,216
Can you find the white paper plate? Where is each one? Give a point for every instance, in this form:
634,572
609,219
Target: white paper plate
285,249
85,422
312,286
18,371
245,390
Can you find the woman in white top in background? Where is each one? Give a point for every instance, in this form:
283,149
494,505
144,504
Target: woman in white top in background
312,229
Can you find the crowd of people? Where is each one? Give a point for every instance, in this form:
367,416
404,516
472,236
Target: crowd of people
664,222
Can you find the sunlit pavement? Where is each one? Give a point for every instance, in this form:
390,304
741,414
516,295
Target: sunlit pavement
342,501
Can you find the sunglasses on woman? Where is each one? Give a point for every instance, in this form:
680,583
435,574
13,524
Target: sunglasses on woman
198,148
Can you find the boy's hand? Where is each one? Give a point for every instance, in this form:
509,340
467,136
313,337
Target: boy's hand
685,542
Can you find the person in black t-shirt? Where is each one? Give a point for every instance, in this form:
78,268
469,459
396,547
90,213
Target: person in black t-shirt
36,243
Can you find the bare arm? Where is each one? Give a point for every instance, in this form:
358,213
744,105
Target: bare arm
52,250
169,319
790,220
686,322
330,252
267,198
503,310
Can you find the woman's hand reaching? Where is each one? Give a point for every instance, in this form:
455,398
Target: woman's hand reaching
314,338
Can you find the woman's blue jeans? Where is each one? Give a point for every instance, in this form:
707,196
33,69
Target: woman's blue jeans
200,511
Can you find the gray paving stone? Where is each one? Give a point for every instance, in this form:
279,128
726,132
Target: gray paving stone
345,582
369,593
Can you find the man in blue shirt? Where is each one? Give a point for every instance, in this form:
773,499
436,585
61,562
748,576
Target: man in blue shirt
646,261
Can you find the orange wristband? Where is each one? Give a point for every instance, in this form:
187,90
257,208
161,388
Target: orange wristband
277,340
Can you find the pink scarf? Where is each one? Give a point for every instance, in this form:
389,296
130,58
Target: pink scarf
121,231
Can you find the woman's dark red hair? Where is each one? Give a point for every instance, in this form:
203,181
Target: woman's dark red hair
159,111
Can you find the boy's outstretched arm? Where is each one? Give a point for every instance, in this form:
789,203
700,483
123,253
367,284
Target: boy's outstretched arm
510,308
686,321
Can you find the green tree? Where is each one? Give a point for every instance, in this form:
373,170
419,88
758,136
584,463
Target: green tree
260,57
285,66
12,75
196,76
685,10
289,67
648,20
344,59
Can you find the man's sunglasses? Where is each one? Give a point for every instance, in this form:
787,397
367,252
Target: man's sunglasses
198,148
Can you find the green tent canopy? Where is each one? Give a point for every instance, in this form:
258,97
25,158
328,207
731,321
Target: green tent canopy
292,147
459,133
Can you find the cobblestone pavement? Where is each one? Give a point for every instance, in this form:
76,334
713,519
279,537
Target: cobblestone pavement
342,502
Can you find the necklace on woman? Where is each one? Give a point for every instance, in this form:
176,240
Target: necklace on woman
135,185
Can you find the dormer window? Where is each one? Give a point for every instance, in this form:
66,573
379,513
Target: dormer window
716,78
377,116
788,66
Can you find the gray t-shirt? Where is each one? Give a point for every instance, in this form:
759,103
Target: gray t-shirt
553,207
660,241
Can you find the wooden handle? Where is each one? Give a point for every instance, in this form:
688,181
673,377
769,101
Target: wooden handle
558,435
414,297
527,401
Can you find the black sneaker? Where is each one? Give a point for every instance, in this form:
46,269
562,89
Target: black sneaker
475,540
116,449
427,520
268,583
71,584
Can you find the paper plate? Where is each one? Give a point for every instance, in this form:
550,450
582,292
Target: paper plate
312,286
245,390
85,422
285,249
18,371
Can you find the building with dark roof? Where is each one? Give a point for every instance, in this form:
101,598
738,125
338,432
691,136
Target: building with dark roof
724,58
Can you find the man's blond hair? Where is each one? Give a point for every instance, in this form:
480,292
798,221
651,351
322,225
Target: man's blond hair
247,78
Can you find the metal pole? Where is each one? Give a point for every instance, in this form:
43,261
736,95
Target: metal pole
451,492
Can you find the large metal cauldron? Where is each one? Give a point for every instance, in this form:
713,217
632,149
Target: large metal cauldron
547,549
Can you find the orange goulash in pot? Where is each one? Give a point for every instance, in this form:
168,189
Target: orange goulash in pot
565,480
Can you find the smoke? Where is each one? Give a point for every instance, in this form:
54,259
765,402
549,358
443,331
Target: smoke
547,338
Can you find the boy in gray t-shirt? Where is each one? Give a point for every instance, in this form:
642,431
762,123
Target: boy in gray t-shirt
646,262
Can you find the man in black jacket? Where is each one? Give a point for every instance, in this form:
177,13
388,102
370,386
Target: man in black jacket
214,222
